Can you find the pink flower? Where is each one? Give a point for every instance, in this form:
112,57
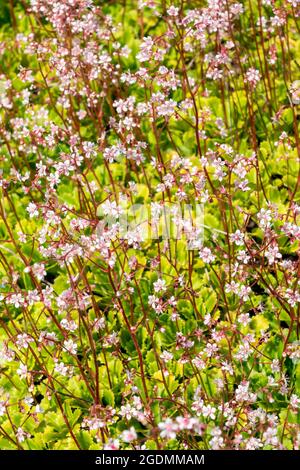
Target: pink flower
168,429
237,238
173,11
209,411
21,435
22,371
70,346
32,210
295,402
252,77
112,444
160,285
206,255
129,435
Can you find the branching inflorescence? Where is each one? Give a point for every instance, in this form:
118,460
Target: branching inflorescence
124,322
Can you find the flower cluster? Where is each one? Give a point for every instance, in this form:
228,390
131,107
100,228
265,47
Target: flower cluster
188,339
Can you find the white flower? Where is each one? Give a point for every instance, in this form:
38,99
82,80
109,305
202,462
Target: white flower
145,49
94,423
99,324
129,435
253,443
23,340
2,408
186,422
39,409
206,255
244,293
272,254
295,92
217,441
69,325
21,435
127,411
159,285
6,354
70,346
270,436
242,393
237,238
22,371
207,319
29,400
81,114
173,11
166,356
16,299
47,338
199,362
227,367
197,405
264,218
252,77
32,210
209,411
243,256
295,402
275,366
243,352
244,319
112,444
292,297
111,208
167,108
168,429
38,269
62,369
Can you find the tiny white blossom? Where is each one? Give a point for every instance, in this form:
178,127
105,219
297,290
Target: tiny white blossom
129,435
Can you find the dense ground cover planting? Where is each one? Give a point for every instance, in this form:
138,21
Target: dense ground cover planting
185,336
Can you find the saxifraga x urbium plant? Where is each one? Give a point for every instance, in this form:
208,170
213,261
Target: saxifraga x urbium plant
127,342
